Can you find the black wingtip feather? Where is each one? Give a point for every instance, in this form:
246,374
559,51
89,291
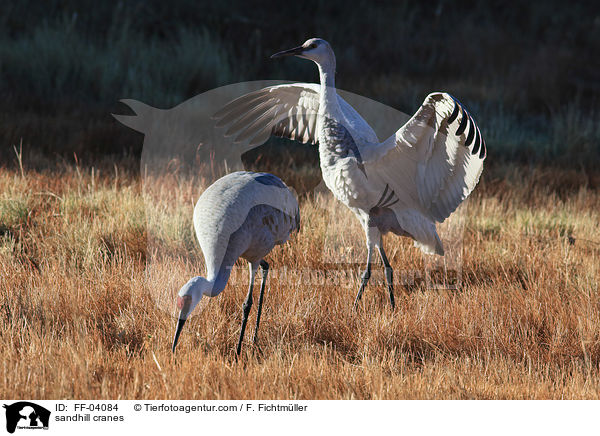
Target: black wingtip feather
463,122
483,151
477,142
472,127
454,113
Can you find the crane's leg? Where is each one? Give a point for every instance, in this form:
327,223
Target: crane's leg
365,276
265,270
389,274
246,307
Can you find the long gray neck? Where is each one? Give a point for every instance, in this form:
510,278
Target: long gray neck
218,279
219,270
328,101
331,128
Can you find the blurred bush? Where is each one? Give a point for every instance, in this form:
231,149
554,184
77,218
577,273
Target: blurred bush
529,72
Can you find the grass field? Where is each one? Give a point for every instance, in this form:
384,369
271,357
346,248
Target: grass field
80,317
91,258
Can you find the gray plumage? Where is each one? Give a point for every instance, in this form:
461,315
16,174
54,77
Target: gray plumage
403,185
245,215
264,227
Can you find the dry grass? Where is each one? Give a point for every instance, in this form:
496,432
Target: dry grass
80,317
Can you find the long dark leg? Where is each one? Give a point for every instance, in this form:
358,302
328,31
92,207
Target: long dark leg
389,274
246,308
265,270
365,276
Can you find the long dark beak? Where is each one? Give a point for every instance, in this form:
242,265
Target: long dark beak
180,324
183,303
291,52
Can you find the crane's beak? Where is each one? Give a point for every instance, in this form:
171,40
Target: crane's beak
178,329
184,304
291,52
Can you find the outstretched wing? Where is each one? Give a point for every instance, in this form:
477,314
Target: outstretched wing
288,111
435,159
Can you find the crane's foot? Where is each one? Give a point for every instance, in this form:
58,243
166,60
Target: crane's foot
265,271
246,311
389,277
365,279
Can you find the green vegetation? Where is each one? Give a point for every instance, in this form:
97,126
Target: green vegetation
529,73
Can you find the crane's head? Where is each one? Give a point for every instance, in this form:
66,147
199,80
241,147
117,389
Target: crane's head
316,49
188,297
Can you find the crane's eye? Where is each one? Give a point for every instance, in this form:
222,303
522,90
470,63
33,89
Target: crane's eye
313,45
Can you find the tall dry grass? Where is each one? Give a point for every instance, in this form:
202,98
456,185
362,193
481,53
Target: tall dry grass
80,317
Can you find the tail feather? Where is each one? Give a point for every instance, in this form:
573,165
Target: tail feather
433,246
421,228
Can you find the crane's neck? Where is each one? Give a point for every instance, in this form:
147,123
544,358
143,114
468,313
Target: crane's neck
330,123
218,276
328,101
217,280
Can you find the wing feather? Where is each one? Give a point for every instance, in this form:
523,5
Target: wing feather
439,152
289,111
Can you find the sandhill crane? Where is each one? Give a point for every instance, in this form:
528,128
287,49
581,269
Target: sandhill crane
242,214
403,185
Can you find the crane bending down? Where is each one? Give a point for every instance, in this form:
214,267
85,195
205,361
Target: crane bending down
404,185
242,214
